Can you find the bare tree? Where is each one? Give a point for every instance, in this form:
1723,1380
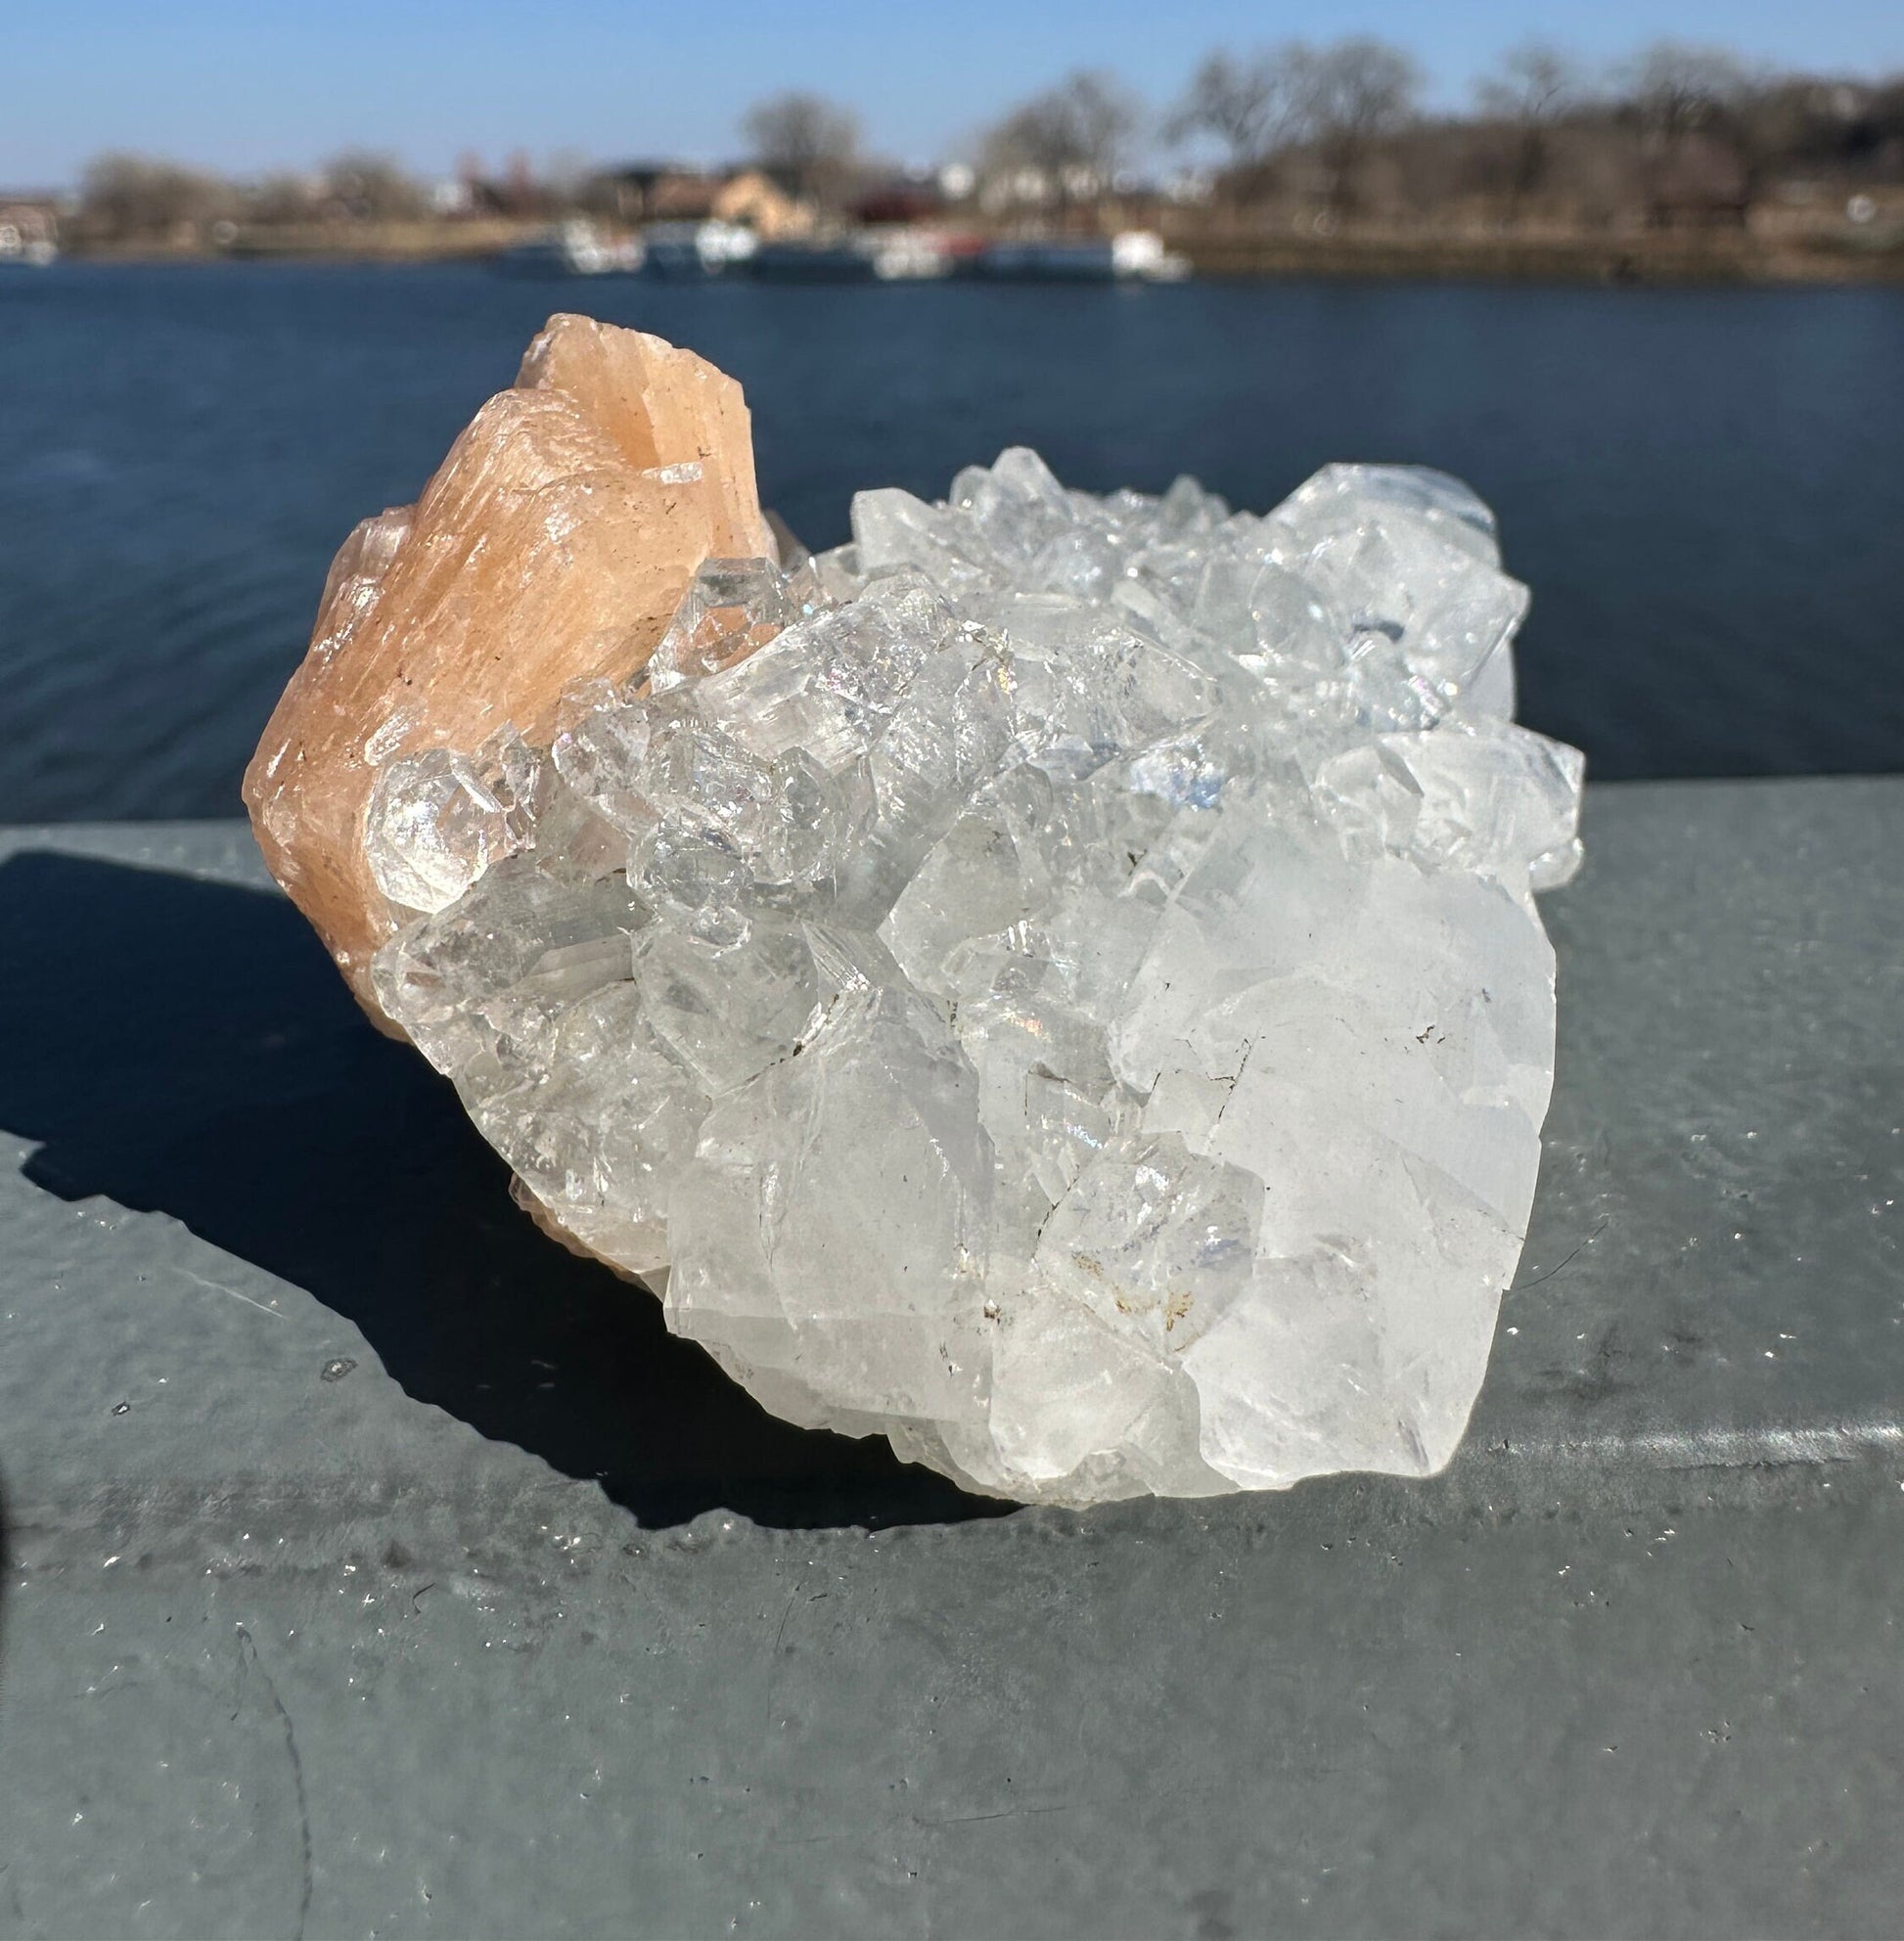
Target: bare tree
1073,136
1536,84
567,177
1678,89
1788,123
809,140
1536,81
1687,102
1351,94
131,197
283,198
1248,105
372,188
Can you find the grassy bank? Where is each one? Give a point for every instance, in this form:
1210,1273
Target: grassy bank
1694,258
326,241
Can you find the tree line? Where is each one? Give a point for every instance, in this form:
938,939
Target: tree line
1339,127
1676,124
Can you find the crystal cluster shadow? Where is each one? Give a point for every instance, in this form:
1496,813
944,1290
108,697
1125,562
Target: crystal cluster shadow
186,1047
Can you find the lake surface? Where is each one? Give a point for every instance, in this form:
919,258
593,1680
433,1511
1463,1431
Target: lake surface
1703,487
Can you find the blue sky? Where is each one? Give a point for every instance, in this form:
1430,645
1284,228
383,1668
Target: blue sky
245,86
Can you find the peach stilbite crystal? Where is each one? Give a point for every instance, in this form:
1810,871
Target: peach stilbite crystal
552,546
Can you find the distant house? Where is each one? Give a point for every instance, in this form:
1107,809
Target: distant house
902,201
657,192
667,192
752,197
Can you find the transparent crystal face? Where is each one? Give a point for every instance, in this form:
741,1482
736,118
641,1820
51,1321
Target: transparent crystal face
1056,981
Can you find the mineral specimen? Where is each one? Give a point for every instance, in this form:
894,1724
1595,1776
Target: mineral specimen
1056,982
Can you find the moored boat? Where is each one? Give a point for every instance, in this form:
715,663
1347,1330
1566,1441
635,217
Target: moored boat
1134,255
570,248
909,255
17,251
847,261
691,250
898,254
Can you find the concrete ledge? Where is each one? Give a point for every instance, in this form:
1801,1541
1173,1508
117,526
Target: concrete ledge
374,1568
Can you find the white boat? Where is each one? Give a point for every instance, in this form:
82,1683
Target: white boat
873,255
1134,255
1140,253
910,255
694,249
31,253
570,248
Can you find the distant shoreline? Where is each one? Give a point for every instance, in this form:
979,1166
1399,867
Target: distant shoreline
1620,261
1641,260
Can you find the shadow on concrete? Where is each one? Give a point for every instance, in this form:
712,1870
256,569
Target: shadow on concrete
186,1047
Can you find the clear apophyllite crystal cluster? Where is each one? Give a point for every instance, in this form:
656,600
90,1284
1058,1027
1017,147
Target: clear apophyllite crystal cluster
1056,982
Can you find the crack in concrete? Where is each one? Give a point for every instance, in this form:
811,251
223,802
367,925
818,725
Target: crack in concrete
249,1659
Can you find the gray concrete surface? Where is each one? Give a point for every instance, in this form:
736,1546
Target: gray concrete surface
373,1569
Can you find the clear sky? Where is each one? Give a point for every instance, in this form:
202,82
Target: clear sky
246,84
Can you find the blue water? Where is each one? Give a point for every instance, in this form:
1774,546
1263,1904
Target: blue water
1702,488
